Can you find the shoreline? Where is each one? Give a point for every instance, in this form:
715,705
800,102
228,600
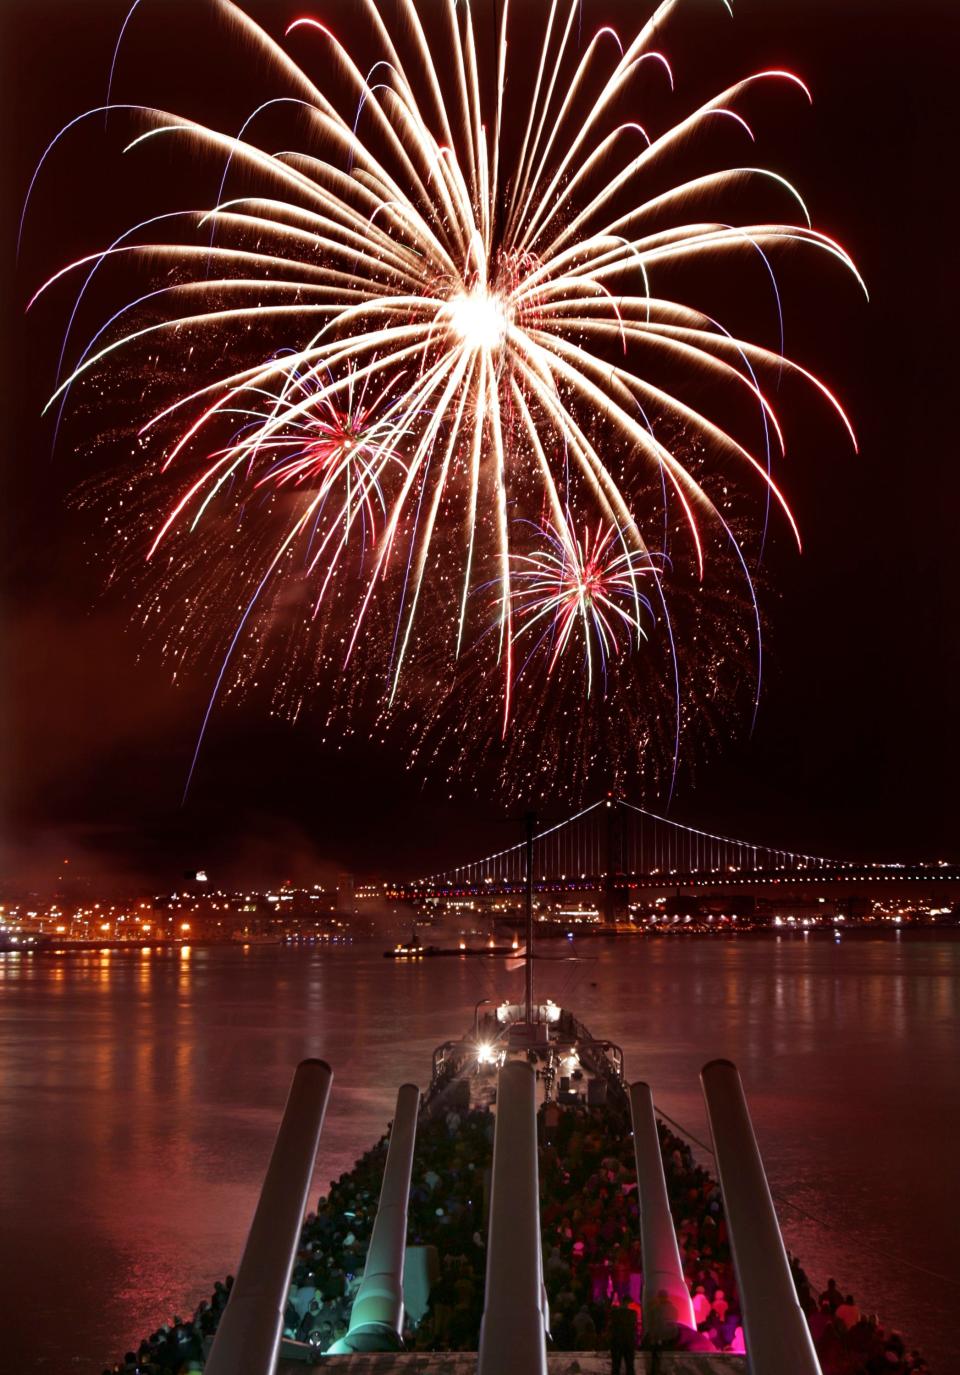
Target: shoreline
667,931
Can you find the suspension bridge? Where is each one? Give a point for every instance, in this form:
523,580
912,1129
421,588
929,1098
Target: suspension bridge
613,846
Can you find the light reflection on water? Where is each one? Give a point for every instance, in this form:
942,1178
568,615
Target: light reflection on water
140,1090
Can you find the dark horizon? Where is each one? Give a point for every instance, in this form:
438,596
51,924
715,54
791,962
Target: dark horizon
855,751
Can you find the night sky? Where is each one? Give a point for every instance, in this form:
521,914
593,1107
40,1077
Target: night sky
855,752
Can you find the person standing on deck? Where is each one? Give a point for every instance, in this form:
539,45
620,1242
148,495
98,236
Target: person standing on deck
622,1332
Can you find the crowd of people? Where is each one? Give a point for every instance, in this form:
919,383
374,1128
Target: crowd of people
446,1208
178,1346
590,1223
849,1341
592,1263
593,1267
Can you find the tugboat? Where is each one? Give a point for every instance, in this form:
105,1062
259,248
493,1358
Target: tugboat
414,949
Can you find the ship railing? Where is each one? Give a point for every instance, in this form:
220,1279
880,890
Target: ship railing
448,1060
602,1058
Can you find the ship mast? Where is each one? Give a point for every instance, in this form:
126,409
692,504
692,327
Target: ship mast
531,819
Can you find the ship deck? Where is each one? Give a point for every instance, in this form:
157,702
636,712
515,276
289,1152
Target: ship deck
572,1068
558,1363
541,1065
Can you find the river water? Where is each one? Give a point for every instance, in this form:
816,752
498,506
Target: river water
139,1095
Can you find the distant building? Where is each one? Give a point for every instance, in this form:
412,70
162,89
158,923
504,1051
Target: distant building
729,904
346,892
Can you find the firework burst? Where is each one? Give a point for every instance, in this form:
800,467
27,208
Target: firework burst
582,588
445,318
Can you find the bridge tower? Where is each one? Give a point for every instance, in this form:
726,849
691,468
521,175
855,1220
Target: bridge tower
614,880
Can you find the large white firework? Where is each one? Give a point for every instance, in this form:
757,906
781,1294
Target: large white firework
471,242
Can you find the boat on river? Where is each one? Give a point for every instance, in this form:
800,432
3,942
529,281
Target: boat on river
413,950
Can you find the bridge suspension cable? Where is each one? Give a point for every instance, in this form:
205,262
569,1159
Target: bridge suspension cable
741,846
504,862
614,836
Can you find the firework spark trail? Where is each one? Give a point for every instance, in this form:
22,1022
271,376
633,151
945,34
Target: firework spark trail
494,307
